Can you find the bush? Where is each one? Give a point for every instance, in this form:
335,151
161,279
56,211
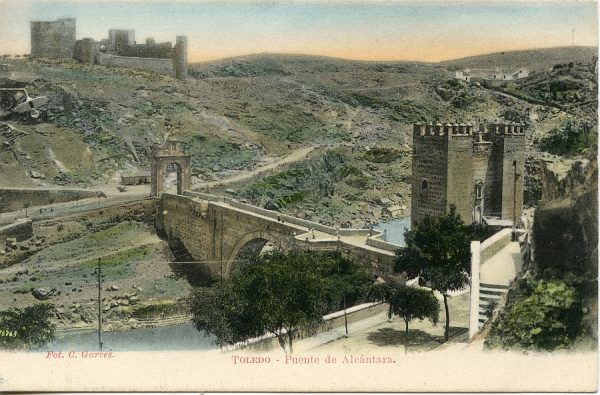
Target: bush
382,155
539,315
572,138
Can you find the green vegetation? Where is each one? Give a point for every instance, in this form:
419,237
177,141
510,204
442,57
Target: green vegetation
276,293
118,258
437,250
407,302
539,315
313,179
21,329
157,308
114,231
382,155
571,138
208,152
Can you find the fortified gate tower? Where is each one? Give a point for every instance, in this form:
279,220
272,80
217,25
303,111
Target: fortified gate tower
471,169
168,157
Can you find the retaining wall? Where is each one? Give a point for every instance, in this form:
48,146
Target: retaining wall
481,252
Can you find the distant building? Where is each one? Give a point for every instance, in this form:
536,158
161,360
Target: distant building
473,170
57,39
479,75
136,178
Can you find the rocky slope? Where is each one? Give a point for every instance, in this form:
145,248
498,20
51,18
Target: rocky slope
237,114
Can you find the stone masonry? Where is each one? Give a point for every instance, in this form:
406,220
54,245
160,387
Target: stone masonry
53,39
473,170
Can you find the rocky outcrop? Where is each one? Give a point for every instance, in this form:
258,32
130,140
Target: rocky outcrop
565,229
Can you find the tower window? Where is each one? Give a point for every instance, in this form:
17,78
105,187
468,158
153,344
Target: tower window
479,190
424,185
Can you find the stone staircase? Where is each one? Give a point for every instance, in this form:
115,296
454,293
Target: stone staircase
489,298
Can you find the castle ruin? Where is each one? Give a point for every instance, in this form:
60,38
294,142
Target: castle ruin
57,39
53,39
474,170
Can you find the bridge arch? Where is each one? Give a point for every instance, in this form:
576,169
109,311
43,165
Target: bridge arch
252,242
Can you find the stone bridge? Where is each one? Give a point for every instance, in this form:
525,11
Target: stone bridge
215,230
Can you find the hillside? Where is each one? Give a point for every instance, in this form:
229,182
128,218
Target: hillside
532,59
238,114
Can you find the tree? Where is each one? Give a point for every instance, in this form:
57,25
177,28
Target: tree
437,250
349,282
274,293
407,302
24,328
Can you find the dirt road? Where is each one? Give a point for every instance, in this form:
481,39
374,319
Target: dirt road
295,156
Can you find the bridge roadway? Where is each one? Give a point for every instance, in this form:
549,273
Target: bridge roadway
215,230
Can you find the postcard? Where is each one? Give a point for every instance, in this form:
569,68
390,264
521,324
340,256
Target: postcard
309,196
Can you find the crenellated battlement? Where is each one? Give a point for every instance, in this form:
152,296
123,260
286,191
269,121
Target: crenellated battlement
462,129
503,128
439,129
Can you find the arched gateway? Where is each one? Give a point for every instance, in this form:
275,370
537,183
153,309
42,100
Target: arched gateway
168,157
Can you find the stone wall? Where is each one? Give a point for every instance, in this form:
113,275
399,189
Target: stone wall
55,39
514,150
85,51
12,199
180,61
163,66
460,190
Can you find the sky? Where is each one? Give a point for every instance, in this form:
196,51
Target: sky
366,30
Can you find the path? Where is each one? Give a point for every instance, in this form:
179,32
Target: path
503,267
136,192
295,156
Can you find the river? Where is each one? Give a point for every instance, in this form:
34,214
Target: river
172,337
394,230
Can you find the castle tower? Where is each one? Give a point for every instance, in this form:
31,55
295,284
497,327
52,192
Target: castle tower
85,51
53,39
513,162
442,168
454,165
121,40
180,58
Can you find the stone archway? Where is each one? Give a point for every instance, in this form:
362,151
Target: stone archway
252,242
173,176
169,155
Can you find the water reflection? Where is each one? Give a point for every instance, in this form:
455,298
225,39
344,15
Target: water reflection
173,337
394,230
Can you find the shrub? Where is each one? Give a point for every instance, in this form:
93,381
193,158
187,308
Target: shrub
541,315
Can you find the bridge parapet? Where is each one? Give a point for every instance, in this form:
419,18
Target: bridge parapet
284,217
375,241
